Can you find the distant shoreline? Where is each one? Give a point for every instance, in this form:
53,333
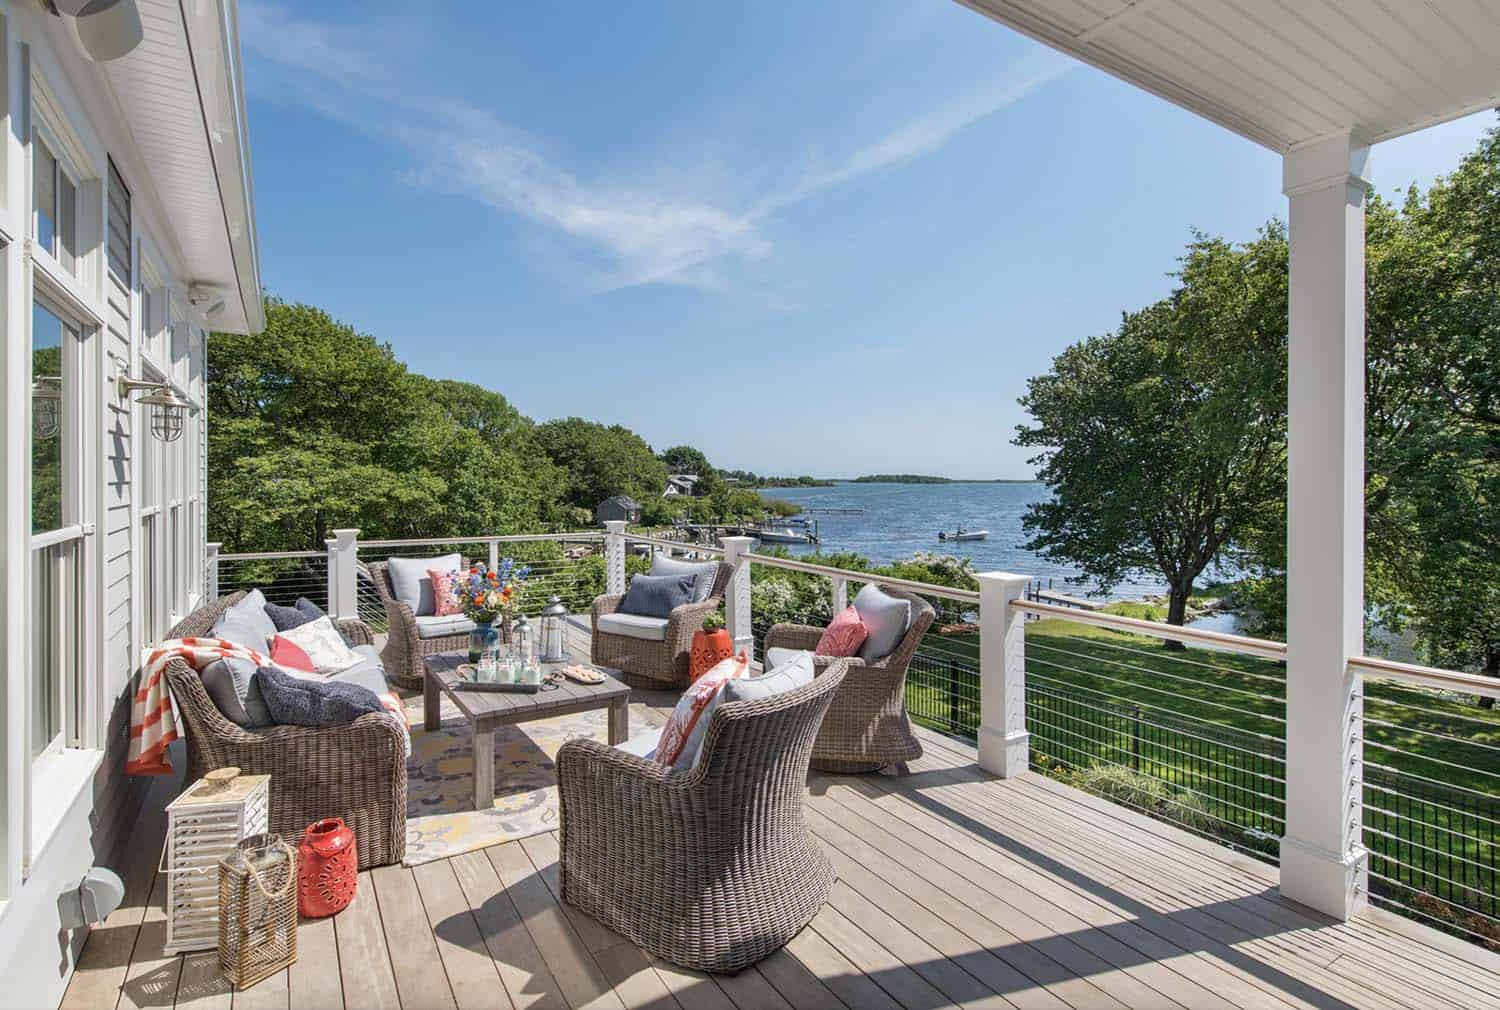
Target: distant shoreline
918,478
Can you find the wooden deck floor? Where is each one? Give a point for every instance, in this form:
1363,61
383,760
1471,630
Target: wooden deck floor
954,889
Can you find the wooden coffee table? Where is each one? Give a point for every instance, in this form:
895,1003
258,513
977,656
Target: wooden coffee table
485,711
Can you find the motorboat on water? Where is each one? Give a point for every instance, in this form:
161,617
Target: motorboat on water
786,535
963,534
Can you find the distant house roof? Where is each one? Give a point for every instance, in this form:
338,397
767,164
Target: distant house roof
622,500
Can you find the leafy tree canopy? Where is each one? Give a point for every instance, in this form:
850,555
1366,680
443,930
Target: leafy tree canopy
600,461
1164,441
317,426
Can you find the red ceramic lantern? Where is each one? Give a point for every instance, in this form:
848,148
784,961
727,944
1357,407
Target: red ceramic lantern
327,868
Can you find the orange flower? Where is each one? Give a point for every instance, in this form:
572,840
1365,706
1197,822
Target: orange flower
505,593
479,599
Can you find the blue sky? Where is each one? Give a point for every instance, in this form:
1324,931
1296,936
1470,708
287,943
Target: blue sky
832,238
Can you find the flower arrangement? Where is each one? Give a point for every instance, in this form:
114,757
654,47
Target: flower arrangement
485,595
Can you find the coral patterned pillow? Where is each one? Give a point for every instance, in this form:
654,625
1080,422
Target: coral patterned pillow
844,635
442,592
288,654
682,737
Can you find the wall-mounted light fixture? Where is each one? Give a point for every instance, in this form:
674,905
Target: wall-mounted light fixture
46,406
108,29
168,410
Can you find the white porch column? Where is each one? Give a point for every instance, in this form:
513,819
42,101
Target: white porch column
838,594
494,556
614,557
1004,744
343,585
1323,863
737,595
211,571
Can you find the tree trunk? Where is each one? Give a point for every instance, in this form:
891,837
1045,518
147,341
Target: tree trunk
1491,669
1177,598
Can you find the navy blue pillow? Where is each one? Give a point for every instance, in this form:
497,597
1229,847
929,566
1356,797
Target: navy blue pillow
293,701
657,595
286,618
309,610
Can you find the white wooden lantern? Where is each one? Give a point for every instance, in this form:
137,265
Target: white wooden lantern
203,825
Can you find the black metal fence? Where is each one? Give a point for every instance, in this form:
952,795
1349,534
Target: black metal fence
1434,848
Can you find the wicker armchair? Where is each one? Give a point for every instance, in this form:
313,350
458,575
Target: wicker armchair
404,648
356,771
867,728
663,664
713,868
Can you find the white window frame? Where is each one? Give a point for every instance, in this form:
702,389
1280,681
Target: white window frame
71,652
63,170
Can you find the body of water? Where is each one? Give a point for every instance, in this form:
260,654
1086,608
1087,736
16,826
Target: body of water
901,519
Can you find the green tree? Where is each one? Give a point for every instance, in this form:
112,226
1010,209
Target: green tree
599,461
1433,413
1165,441
315,426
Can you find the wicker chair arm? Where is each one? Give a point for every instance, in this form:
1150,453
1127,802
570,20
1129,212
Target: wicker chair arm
793,636
356,632
607,604
683,621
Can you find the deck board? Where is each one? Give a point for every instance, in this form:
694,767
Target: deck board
954,889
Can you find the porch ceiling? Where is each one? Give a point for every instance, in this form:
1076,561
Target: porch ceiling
181,93
1282,72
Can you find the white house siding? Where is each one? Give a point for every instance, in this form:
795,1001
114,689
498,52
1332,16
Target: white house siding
55,828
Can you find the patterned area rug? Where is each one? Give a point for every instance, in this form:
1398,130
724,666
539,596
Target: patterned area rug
440,819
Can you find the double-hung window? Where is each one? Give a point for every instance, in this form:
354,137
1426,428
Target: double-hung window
58,601
54,196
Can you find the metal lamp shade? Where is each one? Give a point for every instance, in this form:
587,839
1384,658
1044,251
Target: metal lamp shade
168,415
108,29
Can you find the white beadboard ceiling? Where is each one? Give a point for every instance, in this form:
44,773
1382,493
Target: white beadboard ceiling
1284,72
182,97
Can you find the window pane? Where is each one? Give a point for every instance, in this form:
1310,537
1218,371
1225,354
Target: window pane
49,419
44,195
67,224
46,720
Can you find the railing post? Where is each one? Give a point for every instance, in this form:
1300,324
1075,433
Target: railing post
494,555
839,595
1004,744
737,596
343,585
211,571
614,557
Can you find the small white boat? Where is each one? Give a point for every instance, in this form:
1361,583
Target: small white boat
785,535
963,534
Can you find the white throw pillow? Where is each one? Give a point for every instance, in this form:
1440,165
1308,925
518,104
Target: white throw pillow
323,644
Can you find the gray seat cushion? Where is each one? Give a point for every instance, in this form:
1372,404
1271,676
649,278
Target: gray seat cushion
245,623
796,671
231,686
369,664
432,626
657,595
642,745
778,656
410,583
703,573
887,619
647,629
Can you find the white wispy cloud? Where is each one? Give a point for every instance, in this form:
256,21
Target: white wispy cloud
644,235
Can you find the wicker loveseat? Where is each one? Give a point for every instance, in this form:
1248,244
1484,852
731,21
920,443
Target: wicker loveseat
647,663
356,771
867,728
404,648
712,868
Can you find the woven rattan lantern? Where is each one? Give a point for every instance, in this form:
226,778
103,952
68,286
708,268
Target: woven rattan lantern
257,910
203,825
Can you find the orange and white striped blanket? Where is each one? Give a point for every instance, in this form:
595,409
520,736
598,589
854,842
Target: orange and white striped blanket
153,723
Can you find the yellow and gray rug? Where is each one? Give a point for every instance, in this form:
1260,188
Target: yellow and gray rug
440,817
